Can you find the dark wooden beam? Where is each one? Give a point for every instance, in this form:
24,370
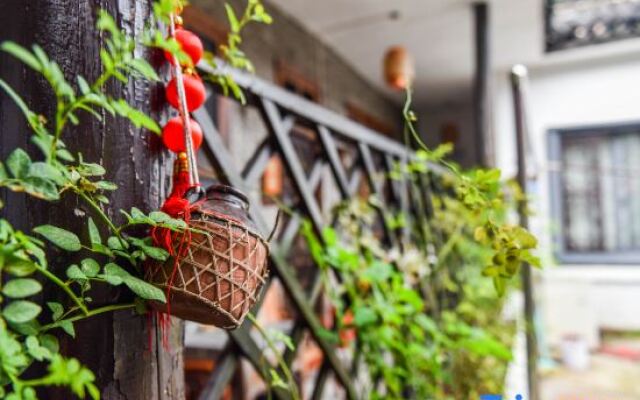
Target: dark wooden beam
115,345
481,99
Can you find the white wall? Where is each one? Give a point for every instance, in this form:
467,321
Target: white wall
574,299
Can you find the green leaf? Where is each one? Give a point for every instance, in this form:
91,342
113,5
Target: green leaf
524,238
233,20
31,327
19,267
156,253
491,271
91,169
21,311
50,342
499,285
19,288
56,310
94,234
60,237
527,257
41,188
89,267
112,269
114,243
65,155
364,316
144,289
137,117
35,350
3,172
112,279
137,286
73,272
67,326
46,171
83,85
22,54
19,163
143,68
136,214
159,216
107,61
106,185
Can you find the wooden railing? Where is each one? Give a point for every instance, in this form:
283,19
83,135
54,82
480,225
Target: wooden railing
359,160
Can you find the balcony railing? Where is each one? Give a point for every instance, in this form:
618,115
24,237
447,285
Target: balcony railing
359,161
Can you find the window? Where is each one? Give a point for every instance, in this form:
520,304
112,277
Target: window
595,176
574,23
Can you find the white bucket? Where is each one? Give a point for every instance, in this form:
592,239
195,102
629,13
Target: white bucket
575,352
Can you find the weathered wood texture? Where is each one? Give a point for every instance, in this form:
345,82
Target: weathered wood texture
114,346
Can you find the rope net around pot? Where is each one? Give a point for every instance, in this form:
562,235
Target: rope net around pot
218,279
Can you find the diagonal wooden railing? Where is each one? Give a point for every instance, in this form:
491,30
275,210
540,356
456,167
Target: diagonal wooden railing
372,157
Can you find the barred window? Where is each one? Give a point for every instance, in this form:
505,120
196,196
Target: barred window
597,185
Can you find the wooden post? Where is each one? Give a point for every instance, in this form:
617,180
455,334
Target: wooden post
518,77
115,346
481,99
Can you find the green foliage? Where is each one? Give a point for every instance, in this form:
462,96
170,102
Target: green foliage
280,377
481,196
53,173
425,312
230,52
410,335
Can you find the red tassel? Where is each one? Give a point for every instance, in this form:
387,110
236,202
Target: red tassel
177,207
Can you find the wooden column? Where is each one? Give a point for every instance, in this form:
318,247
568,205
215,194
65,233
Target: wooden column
481,99
114,346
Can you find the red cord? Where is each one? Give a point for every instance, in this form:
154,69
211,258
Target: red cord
175,206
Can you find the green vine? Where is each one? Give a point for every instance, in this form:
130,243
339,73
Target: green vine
272,338
423,311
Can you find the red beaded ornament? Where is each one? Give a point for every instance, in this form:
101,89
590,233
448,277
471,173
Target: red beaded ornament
173,135
194,92
190,43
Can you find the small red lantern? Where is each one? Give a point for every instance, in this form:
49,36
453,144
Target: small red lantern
399,70
194,91
190,43
273,178
173,135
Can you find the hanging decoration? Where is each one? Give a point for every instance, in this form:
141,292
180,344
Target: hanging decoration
399,69
273,177
190,43
193,88
173,135
222,269
219,265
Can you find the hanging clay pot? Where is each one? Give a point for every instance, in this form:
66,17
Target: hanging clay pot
218,278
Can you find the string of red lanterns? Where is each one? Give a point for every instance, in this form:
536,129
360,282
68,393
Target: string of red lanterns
173,133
